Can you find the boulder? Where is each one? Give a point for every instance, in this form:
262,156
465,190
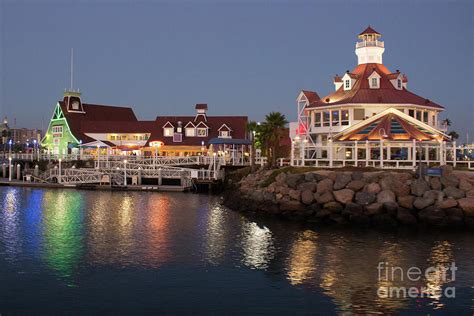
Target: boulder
384,220
279,196
356,185
448,203
281,178
307,197
467,205
291,205
357,175
342,179
311,186
353,209
470,194
373,208
323,174
295,194
422,202
435,183
294,179
433,216
385,196
344,196
321,213
435,195
419,187
455,216
454,192
446,170
405,216
323,198
465,185
333,207
309,177
450,181
373,188
325,185
283,190
365,198
390,207
406,201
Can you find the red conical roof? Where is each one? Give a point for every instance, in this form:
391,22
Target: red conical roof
369,30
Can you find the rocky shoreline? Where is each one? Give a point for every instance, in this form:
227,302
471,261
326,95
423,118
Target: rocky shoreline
362,198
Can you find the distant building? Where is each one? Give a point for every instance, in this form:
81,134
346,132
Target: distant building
18,136
77,126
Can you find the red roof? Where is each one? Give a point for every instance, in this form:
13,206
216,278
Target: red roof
201,106
311,96
237,124
362,93
369,30
95,113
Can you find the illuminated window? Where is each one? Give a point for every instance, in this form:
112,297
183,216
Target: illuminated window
202,132
168,131
223,133
57,129
190,132
344,117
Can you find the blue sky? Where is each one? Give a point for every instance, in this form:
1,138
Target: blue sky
240,57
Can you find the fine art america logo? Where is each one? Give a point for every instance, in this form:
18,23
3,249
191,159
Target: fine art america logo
433,277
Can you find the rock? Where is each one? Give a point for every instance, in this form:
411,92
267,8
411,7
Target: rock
357,175
307,197
279,196
373,208
465,185
281,178
385,196
419,187
353,209
323,174
437,196
344,196
333,207
454,192
390,207
342,179
292,206
365,198
311,186
467,205
446,170
323,198
321,213
283,190
384,220
455,216
356,185
295,194
435,183
433,216
421,202
470,194
309,177
450,181
405,216
373,188
406,201
294,179
325,186
448,203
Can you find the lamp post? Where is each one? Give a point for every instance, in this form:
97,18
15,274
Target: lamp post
10,146
10,169
382,136
98,156
59,175
34,149
125,172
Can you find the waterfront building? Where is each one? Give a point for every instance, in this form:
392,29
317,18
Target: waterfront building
78,127
371,105
20,137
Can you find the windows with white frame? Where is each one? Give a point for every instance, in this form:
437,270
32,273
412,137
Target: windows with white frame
202,129
168,129
336,117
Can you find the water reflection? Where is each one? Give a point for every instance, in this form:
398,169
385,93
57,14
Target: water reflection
257,245
62,234
9,222
216,241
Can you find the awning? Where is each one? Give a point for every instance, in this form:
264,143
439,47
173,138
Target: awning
229,141
98,143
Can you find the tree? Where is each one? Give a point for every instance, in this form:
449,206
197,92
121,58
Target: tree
446,122
252,129
454,135
271,132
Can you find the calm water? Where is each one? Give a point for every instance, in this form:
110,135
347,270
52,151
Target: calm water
86,251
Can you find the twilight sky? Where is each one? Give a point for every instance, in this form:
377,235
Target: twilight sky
240,57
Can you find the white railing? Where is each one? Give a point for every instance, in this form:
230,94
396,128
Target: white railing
369,44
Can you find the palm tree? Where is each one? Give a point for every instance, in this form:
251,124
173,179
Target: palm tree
271,132
454,135
446,122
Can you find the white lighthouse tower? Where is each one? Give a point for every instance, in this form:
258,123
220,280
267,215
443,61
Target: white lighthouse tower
370,49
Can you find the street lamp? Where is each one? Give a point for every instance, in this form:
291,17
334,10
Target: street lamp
10,169
59,176
125,172
382,135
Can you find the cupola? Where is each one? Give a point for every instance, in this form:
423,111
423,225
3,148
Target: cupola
370,48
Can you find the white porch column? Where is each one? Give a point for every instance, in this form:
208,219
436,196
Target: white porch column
367,153
302,153
454,153
389,155
292,155
444,153
381,153
355,153
413,158
427,153
330,153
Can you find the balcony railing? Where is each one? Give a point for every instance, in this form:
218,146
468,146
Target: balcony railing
369,44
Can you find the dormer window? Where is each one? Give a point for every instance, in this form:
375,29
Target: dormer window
201,132
190,131
374,80
347,84
399,84
168,131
